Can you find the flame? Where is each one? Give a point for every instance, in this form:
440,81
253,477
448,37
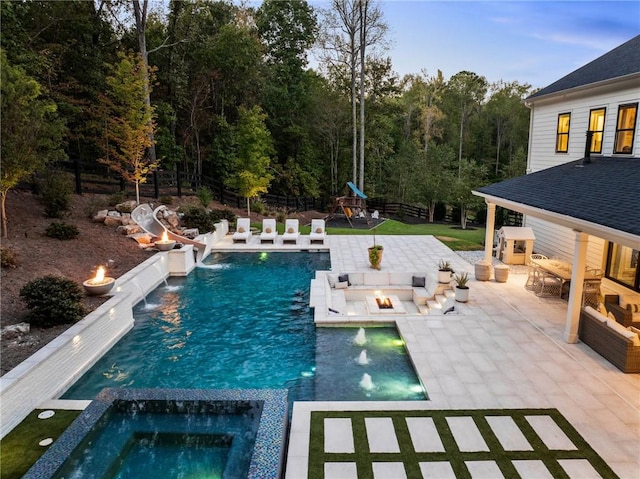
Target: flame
99,275
165,237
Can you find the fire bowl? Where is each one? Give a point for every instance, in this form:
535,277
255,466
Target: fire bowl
165,245
98,289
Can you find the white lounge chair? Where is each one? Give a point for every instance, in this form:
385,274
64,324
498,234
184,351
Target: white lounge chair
318,232
243,230
269,231
291,231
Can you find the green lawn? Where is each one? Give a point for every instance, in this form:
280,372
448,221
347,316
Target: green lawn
452,235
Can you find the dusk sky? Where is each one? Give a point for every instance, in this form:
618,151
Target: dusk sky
535,42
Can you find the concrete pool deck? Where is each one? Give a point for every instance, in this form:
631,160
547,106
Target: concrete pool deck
506,352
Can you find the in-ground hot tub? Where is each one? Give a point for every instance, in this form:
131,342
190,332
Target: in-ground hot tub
172,433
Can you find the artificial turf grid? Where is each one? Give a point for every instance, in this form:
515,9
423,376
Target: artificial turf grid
364,459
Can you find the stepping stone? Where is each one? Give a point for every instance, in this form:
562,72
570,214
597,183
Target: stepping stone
338,435
484,470
532,470
508,433
381,434
424,435
389,470
439,469
579,469
340,470
550,433
466,434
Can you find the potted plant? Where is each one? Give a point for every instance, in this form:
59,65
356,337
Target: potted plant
462,290
375,252
444,271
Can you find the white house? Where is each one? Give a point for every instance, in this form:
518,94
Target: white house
581,194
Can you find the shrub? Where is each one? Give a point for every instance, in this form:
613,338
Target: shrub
223,214
56,191
440,212
62,231
166,199
8,257
204,196
198,217
52,300
281,216
258,207
94,205
117,198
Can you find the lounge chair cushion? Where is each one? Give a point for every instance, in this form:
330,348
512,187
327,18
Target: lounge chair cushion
342,284
418,281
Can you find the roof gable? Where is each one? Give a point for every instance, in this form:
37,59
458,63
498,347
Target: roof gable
619,62
604,192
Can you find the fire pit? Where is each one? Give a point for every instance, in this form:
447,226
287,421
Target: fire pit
98,285
165,244
384,303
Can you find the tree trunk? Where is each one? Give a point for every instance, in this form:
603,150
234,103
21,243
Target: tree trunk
364,6
3,213
137,192
460,146
248,208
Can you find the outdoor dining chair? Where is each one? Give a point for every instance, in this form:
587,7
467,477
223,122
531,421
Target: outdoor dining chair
531,283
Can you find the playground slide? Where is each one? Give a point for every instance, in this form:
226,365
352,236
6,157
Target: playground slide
148,220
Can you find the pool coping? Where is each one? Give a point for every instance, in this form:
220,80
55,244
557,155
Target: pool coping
267,460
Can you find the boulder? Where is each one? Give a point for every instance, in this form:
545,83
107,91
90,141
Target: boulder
100,216
142,238
190,233
15,330
112,221
128,229
127,206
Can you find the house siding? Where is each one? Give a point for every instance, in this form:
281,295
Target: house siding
551,239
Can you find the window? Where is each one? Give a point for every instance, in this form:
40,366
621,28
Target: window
596,126
625,128
562,136
622,266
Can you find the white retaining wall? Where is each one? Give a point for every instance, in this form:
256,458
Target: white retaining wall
50,371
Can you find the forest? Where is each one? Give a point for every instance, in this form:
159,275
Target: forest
225,92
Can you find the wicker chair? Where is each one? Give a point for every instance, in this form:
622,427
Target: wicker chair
591,293
548,285
533,272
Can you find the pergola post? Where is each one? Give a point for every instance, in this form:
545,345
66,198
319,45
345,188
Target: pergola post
490,227
575,290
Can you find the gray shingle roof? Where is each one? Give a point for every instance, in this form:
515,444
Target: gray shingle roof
604,192
621,61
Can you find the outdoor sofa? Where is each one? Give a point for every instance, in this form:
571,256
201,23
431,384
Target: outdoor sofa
617,344
623,312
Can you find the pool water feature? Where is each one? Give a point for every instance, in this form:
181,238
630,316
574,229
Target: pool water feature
241,321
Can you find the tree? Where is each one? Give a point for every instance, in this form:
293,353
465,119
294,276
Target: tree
254,148
471,175
129,121
467,91
32,134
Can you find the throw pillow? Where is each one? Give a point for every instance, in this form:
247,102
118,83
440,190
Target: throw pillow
290,231
342,285
344,278
634,308
333,279
241,230
268,230
418,281
636,338
635,330
611,317
319,230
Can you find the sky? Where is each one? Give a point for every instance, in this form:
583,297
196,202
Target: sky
534,42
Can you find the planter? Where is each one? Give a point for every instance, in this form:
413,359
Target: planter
501,273
462,294
93,288
375,256
444,276
483,270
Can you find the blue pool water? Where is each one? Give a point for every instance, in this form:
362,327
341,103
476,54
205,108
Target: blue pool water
243,321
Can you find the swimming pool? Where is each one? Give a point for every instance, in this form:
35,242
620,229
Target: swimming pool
244,321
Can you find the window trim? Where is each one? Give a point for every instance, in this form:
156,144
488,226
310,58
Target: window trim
632,129
560,134
603,109
607,271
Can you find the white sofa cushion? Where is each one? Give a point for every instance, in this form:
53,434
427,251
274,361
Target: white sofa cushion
600,317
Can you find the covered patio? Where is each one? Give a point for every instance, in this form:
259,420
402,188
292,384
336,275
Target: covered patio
593,197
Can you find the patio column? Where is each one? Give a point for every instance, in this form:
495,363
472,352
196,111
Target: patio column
488,237
575,291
